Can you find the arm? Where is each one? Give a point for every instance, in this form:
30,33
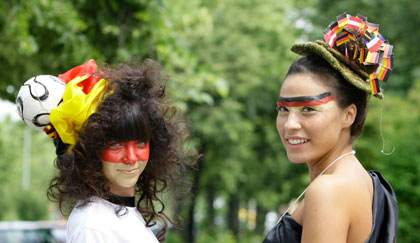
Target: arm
326,214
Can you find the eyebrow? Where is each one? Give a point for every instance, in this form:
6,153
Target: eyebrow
305,100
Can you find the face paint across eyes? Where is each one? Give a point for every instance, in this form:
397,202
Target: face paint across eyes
307,104
128,152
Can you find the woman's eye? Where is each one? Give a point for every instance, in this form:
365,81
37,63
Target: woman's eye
308,109
141,143
282,109
112,145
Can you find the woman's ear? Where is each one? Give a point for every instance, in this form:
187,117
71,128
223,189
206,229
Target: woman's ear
350,113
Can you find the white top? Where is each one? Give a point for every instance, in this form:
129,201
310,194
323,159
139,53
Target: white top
98,222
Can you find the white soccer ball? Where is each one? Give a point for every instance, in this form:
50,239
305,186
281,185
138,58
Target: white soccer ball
37,97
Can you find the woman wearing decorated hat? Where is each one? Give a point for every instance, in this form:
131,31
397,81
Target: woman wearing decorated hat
321,111
116,139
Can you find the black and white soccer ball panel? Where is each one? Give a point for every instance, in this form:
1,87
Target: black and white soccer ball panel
37,97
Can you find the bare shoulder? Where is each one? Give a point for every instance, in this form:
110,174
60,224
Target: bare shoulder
329,208
332,190
331,183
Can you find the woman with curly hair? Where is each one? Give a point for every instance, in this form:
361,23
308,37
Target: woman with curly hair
118,139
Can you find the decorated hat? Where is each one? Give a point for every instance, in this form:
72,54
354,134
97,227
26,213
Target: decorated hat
354,47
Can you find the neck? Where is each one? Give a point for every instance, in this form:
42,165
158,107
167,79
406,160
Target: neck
316,167
123,191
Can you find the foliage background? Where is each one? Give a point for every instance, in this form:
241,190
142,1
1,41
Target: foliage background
226,60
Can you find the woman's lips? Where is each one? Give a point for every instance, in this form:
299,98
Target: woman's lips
295,143
129,171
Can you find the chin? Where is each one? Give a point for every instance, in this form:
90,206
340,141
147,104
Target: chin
296,158
127,185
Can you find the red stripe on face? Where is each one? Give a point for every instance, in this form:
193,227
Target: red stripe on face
305,103
128,152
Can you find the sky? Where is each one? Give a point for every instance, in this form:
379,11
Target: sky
8,108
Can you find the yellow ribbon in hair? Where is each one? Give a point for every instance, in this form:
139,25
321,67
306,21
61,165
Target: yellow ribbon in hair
68,117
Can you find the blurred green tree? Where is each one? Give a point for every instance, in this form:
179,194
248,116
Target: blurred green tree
49,37
235,53
24,198
401,130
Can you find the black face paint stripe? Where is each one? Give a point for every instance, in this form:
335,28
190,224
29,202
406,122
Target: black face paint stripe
304,98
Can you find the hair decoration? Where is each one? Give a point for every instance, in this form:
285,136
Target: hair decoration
50,131
360,42
82,95
89,68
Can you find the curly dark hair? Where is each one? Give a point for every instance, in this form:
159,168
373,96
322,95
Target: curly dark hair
134,108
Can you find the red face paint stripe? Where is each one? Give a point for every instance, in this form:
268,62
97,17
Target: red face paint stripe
305,102
127,152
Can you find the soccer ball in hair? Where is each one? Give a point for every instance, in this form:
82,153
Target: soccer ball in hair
37,97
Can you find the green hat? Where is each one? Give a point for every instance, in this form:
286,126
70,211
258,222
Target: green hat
355,48
350,71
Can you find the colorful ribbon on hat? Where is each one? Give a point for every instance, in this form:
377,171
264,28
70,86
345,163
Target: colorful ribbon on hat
376,50
81,97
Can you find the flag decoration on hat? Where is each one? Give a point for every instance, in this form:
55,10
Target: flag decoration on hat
369,46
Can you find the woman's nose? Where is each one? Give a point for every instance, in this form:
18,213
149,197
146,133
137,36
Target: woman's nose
292,122
130,154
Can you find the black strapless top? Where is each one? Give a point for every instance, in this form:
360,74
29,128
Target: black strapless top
385,217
